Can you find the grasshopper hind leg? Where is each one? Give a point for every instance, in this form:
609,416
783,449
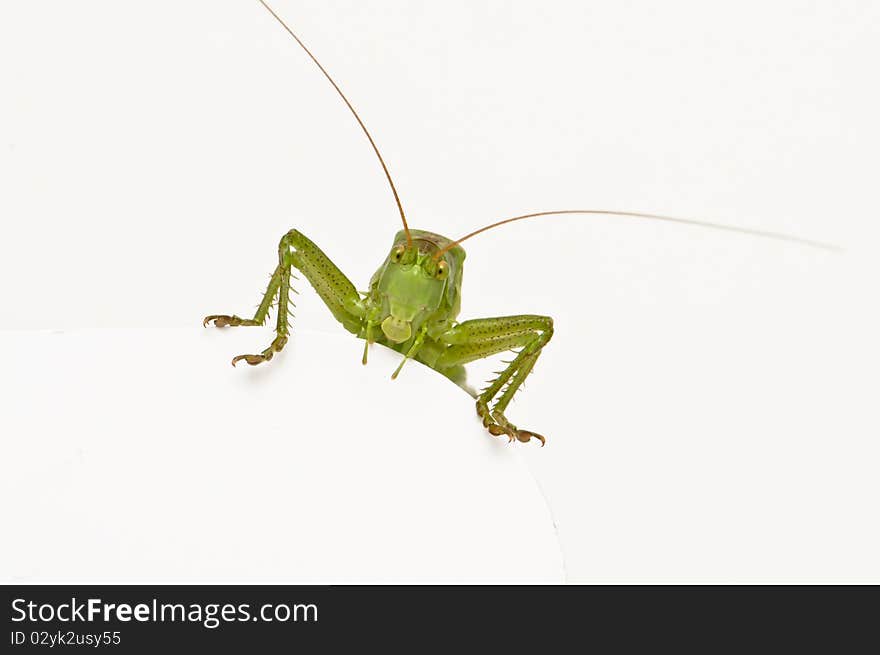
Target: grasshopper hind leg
232,320
479,338
295,250
279,287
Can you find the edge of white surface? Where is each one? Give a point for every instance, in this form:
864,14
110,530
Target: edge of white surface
143,456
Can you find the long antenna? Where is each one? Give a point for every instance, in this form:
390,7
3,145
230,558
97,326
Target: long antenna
354,113
657,217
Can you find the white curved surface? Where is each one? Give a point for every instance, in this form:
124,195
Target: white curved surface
143,456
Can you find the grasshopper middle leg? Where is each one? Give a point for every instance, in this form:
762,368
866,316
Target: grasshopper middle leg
479,338
336,290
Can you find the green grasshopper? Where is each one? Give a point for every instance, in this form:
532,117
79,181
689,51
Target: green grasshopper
414,300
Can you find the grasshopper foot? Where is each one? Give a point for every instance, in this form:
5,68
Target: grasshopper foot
277,344
253,360
497,424
224,320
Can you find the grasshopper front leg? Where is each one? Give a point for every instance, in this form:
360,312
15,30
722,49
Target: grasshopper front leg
336,290
479,338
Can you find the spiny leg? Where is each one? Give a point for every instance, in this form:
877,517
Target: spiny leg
279,286
336,290
282,324
483,337
226,320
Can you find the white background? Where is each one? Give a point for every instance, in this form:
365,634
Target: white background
709,398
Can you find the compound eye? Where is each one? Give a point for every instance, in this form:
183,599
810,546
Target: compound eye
397,254
442,270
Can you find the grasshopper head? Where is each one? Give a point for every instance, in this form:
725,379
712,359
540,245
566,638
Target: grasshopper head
413,284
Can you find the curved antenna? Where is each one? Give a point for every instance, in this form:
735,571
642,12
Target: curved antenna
354,113
657,217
